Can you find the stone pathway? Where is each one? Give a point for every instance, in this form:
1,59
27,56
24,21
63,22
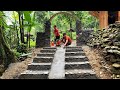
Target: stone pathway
58,63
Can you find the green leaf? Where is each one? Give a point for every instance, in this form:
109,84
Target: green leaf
27,16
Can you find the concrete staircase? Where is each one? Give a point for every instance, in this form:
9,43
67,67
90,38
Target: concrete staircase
76,65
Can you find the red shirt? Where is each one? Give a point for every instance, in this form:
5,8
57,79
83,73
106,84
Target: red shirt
56,32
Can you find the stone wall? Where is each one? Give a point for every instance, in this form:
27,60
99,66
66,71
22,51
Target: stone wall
40,39
43,38
83,36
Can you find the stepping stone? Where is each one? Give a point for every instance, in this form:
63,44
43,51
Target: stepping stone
74,53
73,50
77,65
80,74
43,59
49,48
48,51
39,66
73,47
76,59
29,74
46,54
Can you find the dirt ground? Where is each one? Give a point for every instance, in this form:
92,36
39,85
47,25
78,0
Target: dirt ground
101,68
15,69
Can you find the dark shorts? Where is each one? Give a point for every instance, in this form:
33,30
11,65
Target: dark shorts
57,38
69,43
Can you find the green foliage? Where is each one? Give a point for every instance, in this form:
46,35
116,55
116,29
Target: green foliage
32,43
17,54
22,48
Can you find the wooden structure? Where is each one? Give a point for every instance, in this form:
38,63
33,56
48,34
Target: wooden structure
106,17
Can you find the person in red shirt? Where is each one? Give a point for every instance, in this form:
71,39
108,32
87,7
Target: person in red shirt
56,33
66,40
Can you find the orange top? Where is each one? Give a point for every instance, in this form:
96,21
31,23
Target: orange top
52,43
68,38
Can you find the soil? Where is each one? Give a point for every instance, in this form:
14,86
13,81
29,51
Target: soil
101,68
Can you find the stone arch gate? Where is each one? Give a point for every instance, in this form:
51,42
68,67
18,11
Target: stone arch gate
43,39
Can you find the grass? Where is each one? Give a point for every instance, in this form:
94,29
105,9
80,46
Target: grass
32,43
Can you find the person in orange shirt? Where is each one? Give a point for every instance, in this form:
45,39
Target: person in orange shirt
56,33
66,40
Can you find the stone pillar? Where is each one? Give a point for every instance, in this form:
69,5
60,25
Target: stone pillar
78,32
40,40
47,33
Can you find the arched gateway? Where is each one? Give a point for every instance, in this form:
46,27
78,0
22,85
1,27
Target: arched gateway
43,39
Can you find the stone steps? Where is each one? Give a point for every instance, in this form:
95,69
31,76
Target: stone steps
43,59
76,59
39,66
77,65
80,74
73,50
81,53
49,48
73,47
30,74
48,51
46,54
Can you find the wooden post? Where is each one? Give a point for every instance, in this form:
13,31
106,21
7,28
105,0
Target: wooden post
103,19
118,15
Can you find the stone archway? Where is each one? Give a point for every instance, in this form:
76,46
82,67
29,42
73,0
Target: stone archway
78,24
45,37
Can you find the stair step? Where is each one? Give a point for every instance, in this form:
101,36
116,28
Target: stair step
76,59
80,74
73,50
48,51
49,48
29,74
39,66
43,59
74,47
46,54
74,53
77,65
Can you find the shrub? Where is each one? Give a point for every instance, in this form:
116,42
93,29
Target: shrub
22,48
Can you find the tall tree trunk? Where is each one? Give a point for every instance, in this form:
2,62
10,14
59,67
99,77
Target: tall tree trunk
29,38
6,55
17,36
70,26
21,26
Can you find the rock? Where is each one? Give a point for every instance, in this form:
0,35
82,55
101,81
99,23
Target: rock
109,41
116,65
115,60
